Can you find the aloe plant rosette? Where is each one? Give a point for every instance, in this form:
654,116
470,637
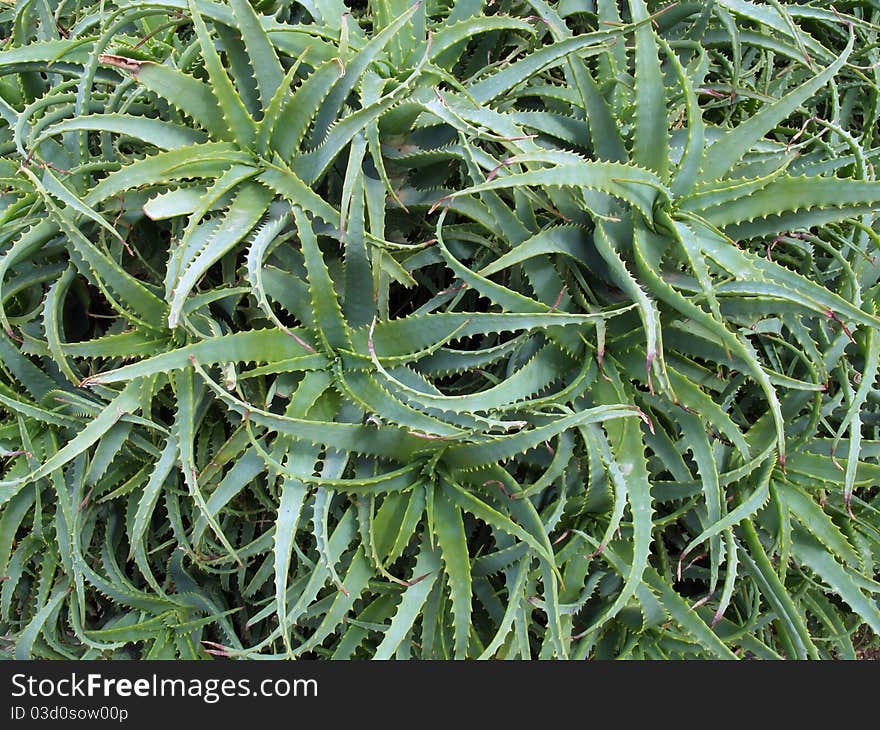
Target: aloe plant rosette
522,329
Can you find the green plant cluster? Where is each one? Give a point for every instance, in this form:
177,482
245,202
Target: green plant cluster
519,329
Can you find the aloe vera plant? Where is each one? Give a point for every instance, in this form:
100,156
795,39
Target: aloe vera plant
524,329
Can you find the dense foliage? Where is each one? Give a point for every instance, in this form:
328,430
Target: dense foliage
516,329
